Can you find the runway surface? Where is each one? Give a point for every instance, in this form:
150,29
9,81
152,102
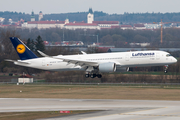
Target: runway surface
111,109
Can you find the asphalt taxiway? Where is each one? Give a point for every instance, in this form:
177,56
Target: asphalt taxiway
111,109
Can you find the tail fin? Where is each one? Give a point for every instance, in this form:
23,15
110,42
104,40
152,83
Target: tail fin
22,50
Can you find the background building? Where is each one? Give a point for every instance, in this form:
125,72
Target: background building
91,24
90,16
32,16
40,15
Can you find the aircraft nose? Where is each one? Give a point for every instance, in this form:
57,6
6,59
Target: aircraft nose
174,60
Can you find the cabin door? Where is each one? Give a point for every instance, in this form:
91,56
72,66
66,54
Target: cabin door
127,57
157,56
43,62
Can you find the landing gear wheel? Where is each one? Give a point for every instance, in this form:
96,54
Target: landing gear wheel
87,75
166,69
99,75
93,75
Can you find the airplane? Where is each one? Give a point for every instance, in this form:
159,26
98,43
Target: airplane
93,64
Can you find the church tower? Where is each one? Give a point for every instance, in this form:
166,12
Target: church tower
90,16
67,20
32,16
40,15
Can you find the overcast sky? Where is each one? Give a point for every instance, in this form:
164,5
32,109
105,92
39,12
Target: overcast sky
108,6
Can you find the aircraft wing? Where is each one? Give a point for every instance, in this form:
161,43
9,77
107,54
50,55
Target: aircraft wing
20,62
82,63
77,62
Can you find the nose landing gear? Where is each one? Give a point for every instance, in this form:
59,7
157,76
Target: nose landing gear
166,69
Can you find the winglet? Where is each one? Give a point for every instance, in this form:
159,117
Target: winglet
43,54
84,53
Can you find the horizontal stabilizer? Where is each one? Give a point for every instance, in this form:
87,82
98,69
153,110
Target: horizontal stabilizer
20,62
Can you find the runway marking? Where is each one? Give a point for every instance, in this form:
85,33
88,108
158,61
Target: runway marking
98,117
141,118
143,110
153,115
147,115
124,114
173,113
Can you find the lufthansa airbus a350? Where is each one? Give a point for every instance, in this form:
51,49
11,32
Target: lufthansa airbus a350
92,64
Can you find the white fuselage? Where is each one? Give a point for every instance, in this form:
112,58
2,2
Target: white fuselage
121,59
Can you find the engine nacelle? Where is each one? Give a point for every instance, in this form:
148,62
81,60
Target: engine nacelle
122,69
107,67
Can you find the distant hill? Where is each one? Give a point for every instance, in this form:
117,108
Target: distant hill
99,16
14,15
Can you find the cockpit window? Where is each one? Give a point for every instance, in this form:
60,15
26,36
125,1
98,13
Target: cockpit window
168,55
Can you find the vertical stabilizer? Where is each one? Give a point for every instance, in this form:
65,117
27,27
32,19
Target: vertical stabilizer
22,50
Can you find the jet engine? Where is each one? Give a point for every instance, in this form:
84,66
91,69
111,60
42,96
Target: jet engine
107,67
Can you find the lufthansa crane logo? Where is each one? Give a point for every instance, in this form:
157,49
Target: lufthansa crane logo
20,48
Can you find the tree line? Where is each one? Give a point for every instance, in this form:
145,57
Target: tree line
117,37
99,16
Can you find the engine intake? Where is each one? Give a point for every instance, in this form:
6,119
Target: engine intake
107,67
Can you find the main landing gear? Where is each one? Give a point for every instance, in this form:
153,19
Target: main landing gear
166,69
92,75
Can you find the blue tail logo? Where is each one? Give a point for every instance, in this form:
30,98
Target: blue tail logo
22,50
